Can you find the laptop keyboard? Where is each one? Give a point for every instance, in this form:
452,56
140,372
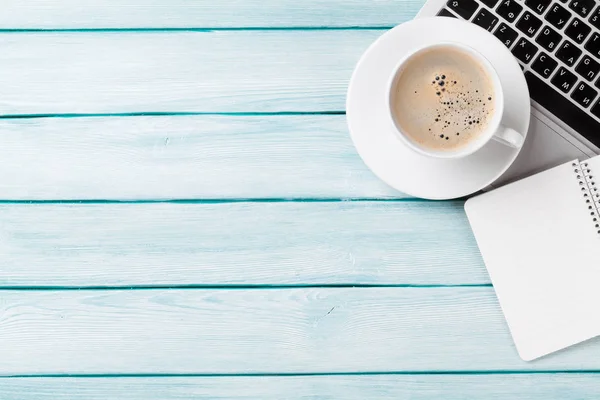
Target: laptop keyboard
557,44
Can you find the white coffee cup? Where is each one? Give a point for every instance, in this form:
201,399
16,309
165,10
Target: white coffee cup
494,130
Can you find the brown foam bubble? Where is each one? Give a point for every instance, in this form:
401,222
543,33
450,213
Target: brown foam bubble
442,98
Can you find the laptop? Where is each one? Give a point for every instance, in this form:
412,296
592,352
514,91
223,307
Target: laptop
557,44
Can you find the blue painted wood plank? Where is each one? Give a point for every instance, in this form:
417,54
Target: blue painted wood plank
70,14
249,71
183,157
240,331
392,387
282,243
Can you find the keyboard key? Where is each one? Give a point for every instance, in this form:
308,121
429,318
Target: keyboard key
578,30
485,19
563,109
564,80
596,110
593,44
506,34
489,3
464,8
538,6
558,16
445,13
544,65
549,38
529,24
588,68
568,53
524,50
509,10
582,7
595,18
584,94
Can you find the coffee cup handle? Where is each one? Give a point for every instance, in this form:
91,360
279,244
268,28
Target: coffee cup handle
509,137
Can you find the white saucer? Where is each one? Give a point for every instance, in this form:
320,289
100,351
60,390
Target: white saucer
387,156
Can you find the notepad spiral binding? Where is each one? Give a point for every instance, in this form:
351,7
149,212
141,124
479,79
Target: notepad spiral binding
591,193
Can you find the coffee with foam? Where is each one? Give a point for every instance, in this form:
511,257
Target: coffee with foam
442,98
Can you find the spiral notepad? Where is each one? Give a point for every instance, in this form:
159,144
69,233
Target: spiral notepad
540,241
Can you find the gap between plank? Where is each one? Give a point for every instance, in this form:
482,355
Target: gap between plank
196,29
190,375
240,287
169,114
225,201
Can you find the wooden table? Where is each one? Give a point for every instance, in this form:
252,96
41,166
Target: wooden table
183,215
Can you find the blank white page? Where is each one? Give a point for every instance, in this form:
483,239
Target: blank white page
542,251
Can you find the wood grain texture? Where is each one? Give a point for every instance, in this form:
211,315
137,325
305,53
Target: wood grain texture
120,72
183,157
284,243
392,387
264,331
98,14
